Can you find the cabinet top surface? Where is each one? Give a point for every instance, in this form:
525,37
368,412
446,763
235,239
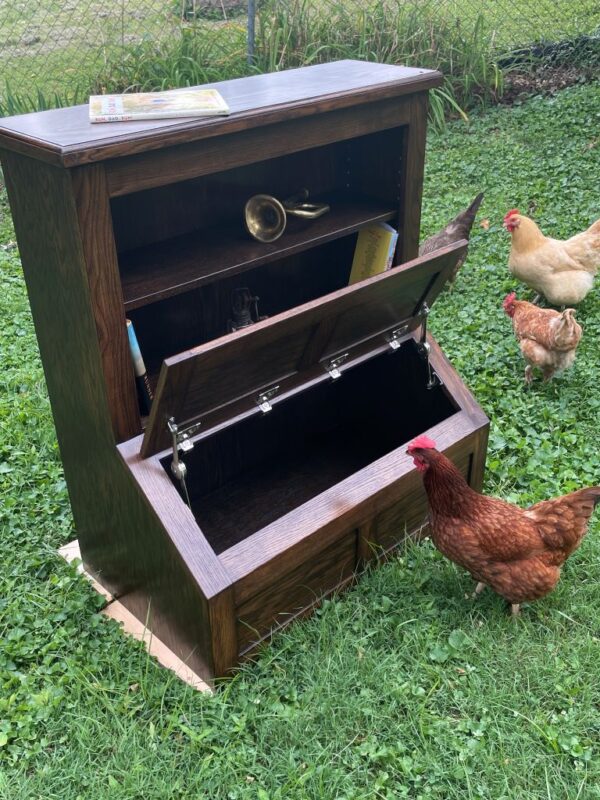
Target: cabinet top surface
65,136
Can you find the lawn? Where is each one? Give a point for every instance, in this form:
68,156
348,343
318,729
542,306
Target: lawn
400,688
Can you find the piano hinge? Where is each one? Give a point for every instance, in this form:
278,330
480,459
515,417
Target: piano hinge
333,366
263,401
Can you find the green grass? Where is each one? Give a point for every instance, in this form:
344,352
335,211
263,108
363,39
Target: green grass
402,687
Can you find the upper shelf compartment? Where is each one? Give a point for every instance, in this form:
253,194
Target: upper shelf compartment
178,237
155,272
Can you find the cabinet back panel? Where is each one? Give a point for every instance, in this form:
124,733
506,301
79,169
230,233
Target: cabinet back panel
250,474
160,214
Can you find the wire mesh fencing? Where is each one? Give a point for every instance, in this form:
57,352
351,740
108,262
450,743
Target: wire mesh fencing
53,47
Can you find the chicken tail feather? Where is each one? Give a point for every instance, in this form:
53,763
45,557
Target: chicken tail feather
474,207
563,521
567,332
594,227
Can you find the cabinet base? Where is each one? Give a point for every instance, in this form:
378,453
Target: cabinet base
133,627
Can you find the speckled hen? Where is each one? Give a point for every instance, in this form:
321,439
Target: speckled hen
548,339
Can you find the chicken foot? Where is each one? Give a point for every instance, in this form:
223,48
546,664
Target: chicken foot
478,589
515,610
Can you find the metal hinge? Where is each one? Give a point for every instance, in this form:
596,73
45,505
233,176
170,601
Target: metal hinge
263,401
394,338
333,366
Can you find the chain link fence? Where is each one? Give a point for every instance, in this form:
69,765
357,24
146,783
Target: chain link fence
52,47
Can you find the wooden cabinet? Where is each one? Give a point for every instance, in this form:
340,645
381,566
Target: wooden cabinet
298,423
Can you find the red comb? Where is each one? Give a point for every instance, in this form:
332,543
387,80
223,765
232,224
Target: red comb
509,298
511,213
422,443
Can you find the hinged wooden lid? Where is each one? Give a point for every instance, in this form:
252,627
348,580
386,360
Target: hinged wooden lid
284,349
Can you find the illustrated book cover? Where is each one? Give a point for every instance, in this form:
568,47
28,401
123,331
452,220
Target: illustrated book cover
157,105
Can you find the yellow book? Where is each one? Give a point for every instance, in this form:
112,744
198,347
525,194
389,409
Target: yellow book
374,252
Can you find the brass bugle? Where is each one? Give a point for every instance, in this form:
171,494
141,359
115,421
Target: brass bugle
266,216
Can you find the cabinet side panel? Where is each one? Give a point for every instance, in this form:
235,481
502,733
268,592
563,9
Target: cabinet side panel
159,587
100,259
51,251
106,506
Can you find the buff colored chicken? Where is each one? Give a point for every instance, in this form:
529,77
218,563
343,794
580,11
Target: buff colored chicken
517,552
548,339
562,271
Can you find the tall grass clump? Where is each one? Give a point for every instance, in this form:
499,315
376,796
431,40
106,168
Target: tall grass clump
202,53
13,102
311,31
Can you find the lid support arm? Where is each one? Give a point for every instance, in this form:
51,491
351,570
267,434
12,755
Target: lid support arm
424,348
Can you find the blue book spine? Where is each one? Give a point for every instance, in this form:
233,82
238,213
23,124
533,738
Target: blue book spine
145,394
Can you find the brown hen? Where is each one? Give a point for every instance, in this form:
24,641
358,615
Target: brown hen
548,339
516,552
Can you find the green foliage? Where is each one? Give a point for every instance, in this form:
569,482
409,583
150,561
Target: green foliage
199,55
305,33
192,10
413,34
581,52
401,688
12,102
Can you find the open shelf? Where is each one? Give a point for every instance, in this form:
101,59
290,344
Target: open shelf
158,271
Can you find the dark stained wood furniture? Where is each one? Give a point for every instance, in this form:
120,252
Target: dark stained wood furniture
144,221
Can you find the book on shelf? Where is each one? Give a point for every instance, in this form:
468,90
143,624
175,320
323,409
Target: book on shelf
157,105
145,393
374,251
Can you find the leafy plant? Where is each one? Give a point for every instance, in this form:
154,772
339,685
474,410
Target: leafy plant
12,102
198,55
406,33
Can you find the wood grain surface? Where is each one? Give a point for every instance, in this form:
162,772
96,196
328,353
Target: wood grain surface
66,137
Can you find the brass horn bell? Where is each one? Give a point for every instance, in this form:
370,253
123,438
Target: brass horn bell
266,216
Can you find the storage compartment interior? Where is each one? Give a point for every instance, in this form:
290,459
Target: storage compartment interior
244,477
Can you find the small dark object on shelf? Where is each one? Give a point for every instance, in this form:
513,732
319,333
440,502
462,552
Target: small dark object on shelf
244,309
